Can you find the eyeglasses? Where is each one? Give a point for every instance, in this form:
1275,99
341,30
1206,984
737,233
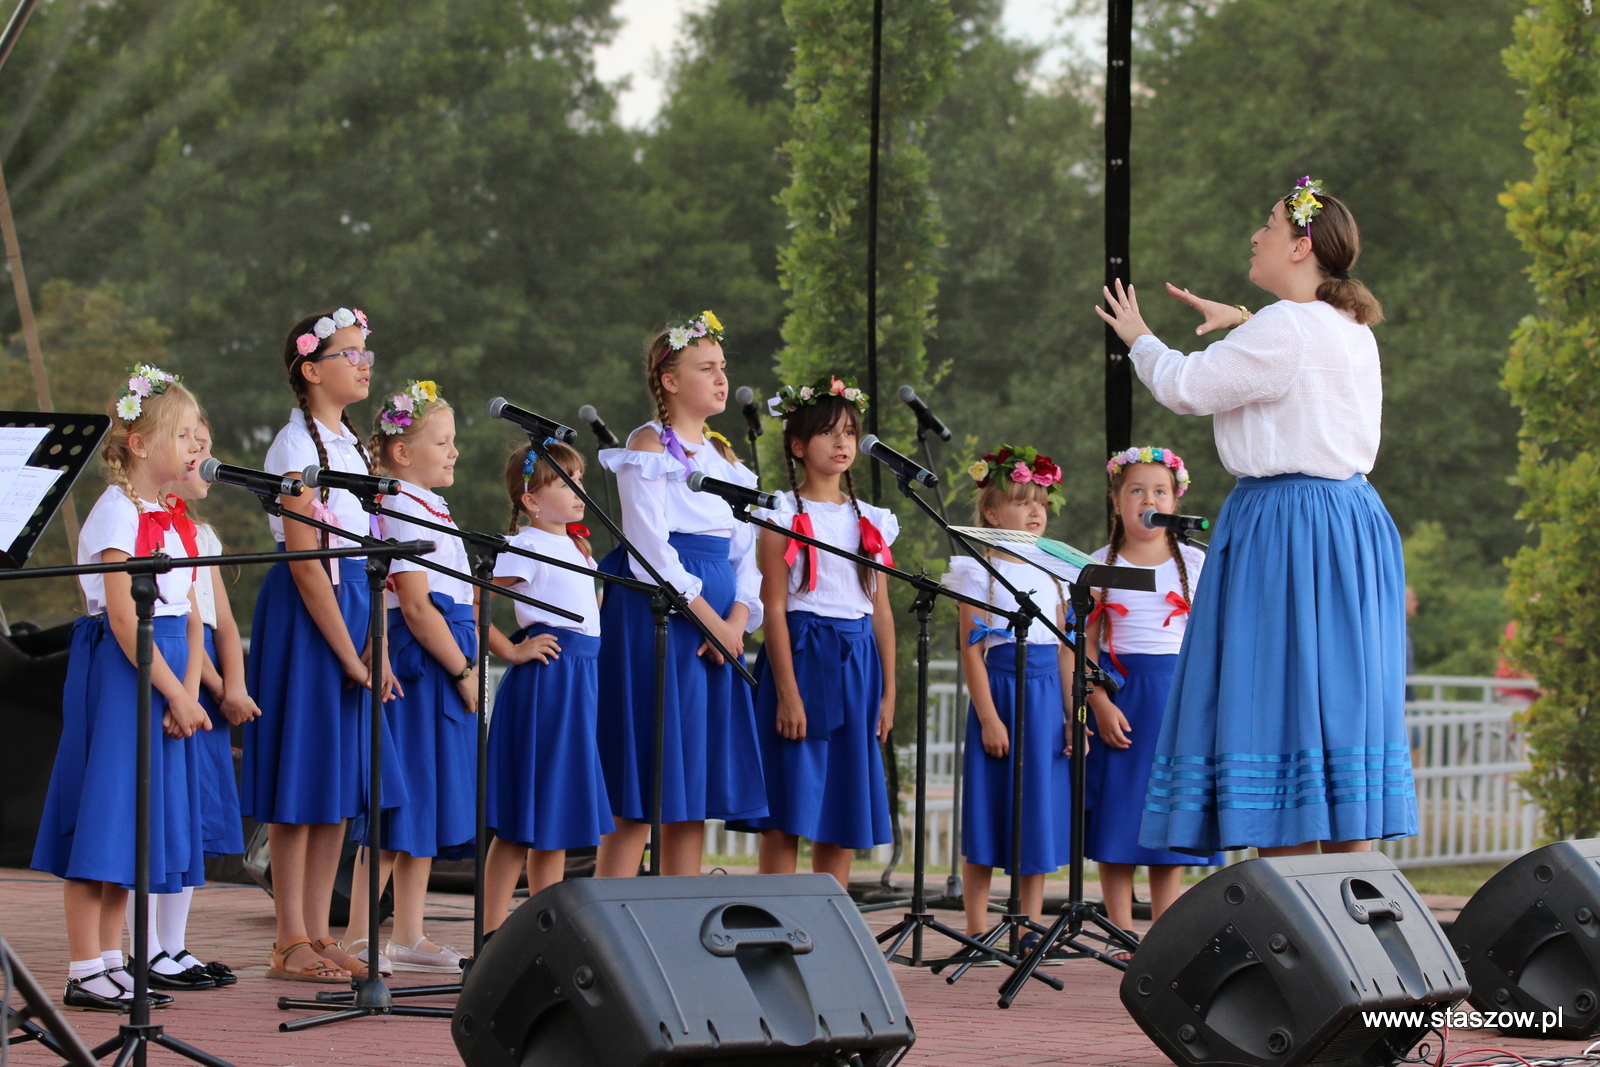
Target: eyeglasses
357,357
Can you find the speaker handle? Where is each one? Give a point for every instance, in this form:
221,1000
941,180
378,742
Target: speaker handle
1366,909
730,927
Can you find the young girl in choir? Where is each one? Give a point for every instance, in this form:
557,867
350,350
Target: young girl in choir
306,756
826,696
1016,490
712,760
223,695
547,791
87,833
1140,634
433,646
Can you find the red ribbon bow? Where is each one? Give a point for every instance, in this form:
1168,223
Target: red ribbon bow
802,525
1180,606
873,544
577,529
153,527
1101,611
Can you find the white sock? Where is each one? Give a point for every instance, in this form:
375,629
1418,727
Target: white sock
112,960
172,913
153,945
84,968
102,985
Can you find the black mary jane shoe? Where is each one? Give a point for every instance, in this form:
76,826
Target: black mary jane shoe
157,1000
77,998
193,978
219,973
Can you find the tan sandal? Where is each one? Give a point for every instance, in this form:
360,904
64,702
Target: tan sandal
319,971
333,949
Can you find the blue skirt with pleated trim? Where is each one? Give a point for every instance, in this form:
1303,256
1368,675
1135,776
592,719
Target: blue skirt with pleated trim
1286,722
437,743
827,786
219,784
1046,770
547,789
306,756
1118,777
88,830
712,759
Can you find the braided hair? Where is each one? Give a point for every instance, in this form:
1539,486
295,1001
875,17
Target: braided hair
1001,491
799,427
661,358
157,423
1118,534
522,477
293,361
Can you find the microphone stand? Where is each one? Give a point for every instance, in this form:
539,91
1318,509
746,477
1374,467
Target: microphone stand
664,600
135,1037
918,918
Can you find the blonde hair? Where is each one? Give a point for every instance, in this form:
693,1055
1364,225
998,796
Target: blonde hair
661,358
160,417
381,444
519,483
999,491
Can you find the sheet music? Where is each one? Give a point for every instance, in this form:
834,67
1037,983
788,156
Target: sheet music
17,444
1055,558
21,490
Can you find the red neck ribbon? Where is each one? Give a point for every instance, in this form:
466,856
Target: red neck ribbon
153,527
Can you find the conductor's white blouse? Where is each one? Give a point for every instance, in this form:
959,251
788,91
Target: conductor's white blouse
1294,390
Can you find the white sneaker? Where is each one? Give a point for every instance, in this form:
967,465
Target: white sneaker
445,961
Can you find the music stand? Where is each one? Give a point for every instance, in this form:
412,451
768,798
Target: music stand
73,440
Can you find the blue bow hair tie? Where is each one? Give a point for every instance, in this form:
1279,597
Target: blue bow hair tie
981,631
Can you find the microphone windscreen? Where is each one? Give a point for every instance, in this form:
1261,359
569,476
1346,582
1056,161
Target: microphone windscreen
309,476
696,479
745,395
496,406
1149,522
208,469
907,394
587,413
869,442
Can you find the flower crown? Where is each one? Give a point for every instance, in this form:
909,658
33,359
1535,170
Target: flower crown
403,410
1302,203
143,381
1164,456
686,332
789,399
1023,466
323,328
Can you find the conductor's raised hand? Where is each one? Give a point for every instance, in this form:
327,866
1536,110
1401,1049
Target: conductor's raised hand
1123,314
1217,316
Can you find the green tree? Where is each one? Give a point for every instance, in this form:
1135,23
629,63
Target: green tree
1552,376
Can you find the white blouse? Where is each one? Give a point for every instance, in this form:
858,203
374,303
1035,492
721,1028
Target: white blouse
1145,629
293,451
838,594
653,490
1296,389
966,575
114,523
553,585
205,597
448,551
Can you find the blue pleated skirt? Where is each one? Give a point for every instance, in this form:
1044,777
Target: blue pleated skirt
437,743
88,829
1286,722
828,786
219,786
306,756
1118,777
712,760
547,789
1046,771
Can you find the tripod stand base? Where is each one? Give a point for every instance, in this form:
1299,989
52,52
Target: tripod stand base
1069,937
367,997
912,927
132,1041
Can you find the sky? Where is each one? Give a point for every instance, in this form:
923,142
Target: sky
650,28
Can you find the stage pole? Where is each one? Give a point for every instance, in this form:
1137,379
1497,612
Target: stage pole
872,235
1119,130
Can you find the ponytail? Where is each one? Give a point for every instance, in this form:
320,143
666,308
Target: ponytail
1336,242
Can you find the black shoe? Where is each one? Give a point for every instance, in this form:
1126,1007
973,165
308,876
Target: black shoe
157,1000
220,973
193,978
77,998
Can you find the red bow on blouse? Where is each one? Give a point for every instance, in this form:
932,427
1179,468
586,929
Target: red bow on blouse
802,525
1101,611
577,529
873,544
153,527
1180,606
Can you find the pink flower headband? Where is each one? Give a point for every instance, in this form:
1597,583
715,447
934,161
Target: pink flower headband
323,328
1166,457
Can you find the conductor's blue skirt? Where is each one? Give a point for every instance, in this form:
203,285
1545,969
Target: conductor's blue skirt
828,786
1046,771
1118,777
88,828
219,786
1286,722
547,789
711,758
437,741
306,756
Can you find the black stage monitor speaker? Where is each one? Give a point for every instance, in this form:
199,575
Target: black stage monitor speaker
1530,942
770,970
1276,961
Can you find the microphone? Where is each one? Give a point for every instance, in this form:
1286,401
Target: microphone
925,418
903,467
746,396
1182,523
737,495
534,425
607,439
214,470
364,485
